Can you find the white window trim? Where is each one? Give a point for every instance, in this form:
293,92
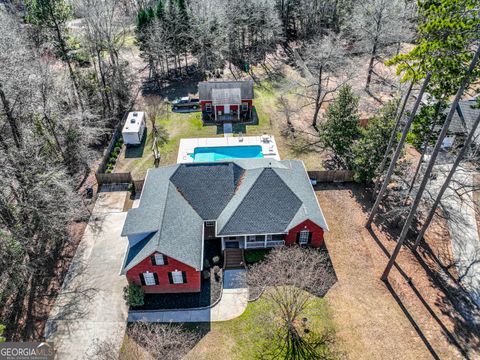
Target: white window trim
177,277
149,279
244,106
304,235
159,260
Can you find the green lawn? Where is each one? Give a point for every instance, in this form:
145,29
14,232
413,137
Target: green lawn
189,125
240,338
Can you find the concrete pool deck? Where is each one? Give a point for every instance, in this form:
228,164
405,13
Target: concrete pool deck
267,142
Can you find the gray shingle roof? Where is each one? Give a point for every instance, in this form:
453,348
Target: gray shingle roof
464,118
244,196
268,207
178,234
207,187
205,88
226,96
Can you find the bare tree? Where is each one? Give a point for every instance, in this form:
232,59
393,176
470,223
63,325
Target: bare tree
291,277
327,59
105,28
378,25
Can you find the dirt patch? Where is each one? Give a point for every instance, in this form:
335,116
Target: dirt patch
409,318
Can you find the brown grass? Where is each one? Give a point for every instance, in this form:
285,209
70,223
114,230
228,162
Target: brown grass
375,321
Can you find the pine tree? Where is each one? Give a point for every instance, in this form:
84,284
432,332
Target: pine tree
446,33
369,150
341,128
160,10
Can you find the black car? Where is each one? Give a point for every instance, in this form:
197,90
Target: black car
185,103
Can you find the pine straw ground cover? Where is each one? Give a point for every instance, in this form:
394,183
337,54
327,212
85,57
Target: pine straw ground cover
376,321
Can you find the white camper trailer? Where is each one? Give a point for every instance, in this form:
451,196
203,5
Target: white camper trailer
134,128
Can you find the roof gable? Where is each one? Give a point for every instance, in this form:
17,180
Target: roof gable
268,207
205,88
207,187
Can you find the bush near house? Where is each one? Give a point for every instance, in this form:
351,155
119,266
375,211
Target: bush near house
112,160
253,256
133,295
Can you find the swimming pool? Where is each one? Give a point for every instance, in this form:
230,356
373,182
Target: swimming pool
216,153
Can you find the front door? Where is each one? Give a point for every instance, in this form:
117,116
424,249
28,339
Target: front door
232,244
226,109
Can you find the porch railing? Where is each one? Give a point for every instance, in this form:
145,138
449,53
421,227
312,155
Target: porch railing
263,244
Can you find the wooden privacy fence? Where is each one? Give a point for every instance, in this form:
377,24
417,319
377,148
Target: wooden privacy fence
319,175
331,175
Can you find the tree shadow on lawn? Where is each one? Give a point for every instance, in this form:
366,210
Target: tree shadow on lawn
452,300
173,89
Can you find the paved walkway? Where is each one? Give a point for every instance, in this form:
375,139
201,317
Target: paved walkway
462,226
232,304
90,306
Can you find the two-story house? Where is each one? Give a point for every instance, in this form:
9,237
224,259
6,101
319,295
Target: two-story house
226,101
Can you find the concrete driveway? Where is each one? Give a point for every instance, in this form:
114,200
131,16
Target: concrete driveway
90,307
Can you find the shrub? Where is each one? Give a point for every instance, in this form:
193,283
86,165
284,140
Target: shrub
108,171
252,256
216,269
206,264
2,329
216,259
206,274
133,295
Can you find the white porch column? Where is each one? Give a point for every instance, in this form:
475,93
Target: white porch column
265,243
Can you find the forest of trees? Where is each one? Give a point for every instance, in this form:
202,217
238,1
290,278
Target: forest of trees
65,84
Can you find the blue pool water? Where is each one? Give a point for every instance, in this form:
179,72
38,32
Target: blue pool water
216,153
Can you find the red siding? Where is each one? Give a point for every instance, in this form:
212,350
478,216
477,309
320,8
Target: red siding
317,233
193,276
203,102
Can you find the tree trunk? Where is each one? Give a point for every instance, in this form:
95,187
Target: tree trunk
424,151
398,150
16,134
429,169
444,187
373,55
393,137
317,98
64,51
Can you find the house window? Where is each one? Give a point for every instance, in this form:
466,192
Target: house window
210,223
208,107
303,238
254,238
159,259
244,106
149,279
177,277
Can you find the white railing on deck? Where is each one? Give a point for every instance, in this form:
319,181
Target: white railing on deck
263,244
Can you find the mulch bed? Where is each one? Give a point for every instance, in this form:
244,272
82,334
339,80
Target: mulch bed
211,291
